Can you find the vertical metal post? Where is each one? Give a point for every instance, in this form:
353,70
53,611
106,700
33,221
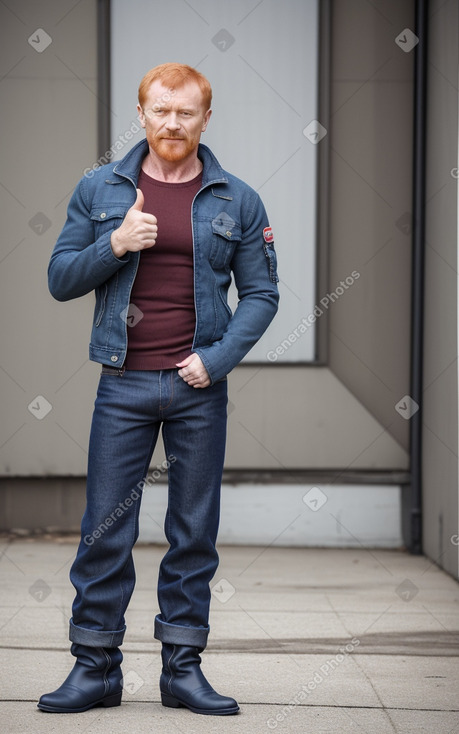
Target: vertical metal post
321,352
103,76
414,541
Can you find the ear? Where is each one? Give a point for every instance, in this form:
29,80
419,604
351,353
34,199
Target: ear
141,115
206,120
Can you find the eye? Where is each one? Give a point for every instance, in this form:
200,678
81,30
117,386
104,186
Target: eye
154,112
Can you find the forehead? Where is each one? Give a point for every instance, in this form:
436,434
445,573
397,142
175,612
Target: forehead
187,95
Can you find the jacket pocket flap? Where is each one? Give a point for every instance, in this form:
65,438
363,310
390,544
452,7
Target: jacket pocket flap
102,213
226,227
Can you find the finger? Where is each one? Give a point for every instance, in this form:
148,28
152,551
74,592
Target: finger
139,202
148,234
148,238
148,219
185,362
200,379
192,379
143,227
202,384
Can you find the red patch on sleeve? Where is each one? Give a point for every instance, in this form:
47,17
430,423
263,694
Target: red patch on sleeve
268,234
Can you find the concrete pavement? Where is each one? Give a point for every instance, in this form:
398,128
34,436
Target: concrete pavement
307,640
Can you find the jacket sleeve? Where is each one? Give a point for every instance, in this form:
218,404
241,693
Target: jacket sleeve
254,266
80,262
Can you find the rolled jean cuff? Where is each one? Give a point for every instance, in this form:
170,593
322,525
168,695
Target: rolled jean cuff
95,638
175,634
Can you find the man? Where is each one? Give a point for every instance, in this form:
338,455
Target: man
166,340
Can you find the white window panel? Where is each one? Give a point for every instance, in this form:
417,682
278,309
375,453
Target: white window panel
261,59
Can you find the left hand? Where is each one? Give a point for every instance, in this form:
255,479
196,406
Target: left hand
193,371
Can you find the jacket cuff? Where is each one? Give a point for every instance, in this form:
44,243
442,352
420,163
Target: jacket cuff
105,252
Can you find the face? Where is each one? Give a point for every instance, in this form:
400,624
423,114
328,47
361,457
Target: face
173,120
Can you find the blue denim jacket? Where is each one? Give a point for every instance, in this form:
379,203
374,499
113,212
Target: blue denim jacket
230,234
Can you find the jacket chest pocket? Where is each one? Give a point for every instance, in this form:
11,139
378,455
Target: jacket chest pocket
107,218
226,233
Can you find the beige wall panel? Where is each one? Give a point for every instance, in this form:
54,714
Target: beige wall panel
48,97
304,417
440,397
440,534
266,431
370,200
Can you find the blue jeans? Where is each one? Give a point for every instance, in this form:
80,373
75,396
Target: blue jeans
129,410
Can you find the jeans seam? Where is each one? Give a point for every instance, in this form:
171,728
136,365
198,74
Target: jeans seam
167,519
134,520
171,378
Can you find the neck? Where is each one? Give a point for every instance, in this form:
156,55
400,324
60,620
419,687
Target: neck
172,171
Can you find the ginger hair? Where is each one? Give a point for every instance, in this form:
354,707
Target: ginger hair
175,75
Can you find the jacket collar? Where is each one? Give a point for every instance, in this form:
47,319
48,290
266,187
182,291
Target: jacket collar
129,166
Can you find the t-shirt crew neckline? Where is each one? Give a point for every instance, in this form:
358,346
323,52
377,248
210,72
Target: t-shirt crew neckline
154,181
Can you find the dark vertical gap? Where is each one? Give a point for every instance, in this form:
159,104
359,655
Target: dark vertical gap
103,76
323,180
413,502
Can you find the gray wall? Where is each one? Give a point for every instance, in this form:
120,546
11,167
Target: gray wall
50,103
48,95
440,404
337,416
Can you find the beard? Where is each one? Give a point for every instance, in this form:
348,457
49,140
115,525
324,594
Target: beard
174,148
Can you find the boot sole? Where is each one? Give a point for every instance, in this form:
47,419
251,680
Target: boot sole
174,703
114,700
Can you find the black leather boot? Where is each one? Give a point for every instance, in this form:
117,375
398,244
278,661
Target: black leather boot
182,683
95,680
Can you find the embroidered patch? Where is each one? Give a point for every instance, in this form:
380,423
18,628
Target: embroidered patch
268,234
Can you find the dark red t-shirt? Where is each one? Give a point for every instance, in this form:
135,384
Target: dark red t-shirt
163,292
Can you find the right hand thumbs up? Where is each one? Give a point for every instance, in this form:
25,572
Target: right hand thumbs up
139,202
138,230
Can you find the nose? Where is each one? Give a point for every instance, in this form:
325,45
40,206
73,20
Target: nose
172,122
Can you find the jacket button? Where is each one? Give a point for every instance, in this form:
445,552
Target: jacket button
228,233
103,215
114,358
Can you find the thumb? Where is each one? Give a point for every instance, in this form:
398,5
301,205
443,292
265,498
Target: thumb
185,362
138,204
